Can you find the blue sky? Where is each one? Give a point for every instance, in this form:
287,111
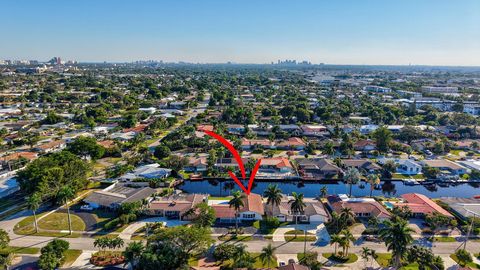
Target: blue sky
434,32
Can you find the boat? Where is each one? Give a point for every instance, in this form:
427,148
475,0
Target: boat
410,182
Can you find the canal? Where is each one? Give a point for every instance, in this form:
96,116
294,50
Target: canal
309,189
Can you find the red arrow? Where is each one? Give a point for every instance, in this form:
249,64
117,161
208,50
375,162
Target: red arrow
237,157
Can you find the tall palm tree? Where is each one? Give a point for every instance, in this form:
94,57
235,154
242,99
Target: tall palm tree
373,180
397,236
267,255
335,240
33,203
237,203
323,192
66,194
273,195
347,238
297,205
347,216
352,176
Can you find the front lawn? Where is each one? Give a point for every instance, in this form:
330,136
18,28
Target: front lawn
54,222
442,239
20,250
383,259
470,264
70,256
236,238
290,236
351,258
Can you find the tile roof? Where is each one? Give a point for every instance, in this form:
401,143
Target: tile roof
279,162
420,203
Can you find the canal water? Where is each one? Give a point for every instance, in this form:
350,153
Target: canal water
387,189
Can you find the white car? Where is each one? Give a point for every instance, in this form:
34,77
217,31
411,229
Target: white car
86,207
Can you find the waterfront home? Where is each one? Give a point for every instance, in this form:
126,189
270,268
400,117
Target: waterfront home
361,207
421,205
294,266
362,165
318,168
149,171
314,211
252,209
404,166
463,207
229,162
292,143
445,165
117,194
196,164
276,165
175,206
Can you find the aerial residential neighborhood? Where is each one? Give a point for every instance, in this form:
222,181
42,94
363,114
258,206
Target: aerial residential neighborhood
222,157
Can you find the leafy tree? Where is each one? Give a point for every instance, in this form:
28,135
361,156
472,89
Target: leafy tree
161,151
310,259
463,256
397,237
133,252
242,258
430,172
52,118
53,254
424,257
273,195
383,137
86,147
4,239
204,215
236,202
48,174
224,252
328,148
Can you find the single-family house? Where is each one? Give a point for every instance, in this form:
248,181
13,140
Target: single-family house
446,165
176,206
362,207
252,209
254,143
276,165
317,168
292,143
196,164
362,165
314,211
50,147
421,205
149,171
116,194
365,145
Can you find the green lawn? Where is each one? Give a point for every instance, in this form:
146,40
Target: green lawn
471,264
406,176
443,239
20,250
383,259
351,258
70,256
55,222
290,236
236,238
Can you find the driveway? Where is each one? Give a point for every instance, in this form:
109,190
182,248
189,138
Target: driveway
132,228
279,234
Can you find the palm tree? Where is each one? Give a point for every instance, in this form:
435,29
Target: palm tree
374,255
236,202
334,240
273,195
347,216
373,180
397,236
133,252
365,255
33,203
352,176
65,194
297,205
323,192
267,256
347,238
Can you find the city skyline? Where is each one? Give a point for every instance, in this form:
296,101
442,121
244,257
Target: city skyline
342,32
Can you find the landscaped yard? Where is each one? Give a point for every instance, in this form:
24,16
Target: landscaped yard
20,250
236,238
443,239
351,258
54,222
406,176
290,236
258,262
70,256
383,259
470,264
